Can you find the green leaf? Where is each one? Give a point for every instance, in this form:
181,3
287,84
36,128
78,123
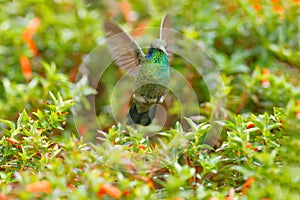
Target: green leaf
23,119
10,124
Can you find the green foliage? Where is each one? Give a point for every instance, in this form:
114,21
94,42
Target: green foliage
66,32
251,95
29,154
32,95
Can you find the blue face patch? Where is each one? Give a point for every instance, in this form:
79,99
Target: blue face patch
150,51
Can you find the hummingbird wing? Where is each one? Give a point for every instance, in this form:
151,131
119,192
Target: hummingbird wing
124,50
167,35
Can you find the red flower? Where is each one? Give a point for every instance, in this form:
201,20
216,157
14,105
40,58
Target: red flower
256,149
141,146
28,33
129,165
297,2
34,50
150,184
279,10
83,129
146,180
31,28
247,185
110,190
298,114
248,145
298,103
230,194
257,7
39,186
140,30
12,141
265,71
126,193
250,125
126,10
3,197
26,67
298,111
265,82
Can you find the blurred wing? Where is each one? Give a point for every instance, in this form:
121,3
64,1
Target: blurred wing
167,35
124,50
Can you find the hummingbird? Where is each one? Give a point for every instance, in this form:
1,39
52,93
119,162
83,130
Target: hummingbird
151,70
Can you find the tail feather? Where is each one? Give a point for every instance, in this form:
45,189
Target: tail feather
143,118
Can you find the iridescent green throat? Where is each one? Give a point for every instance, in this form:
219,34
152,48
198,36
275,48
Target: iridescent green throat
158,57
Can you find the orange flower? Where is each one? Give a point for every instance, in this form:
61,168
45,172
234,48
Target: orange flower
230,194
12,141
3,197
298,111
30,29
265,71
126,193
265,82
248,145
257,7
247,185
28,33
298,103
146,180
126,10
279,10
150,184
280,122
129,165
141,146
178,198
83,129
26,67
297,2
33,48
256,149
110,190
140,30
39,186
298,114
274,1
231,8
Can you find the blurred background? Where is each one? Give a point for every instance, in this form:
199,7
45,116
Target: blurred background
254,43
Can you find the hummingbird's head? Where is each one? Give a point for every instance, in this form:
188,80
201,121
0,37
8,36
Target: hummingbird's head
160,45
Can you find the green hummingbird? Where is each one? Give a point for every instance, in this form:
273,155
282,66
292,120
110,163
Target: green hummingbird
151,71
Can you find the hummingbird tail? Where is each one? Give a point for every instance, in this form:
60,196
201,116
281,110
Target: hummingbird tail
143,118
